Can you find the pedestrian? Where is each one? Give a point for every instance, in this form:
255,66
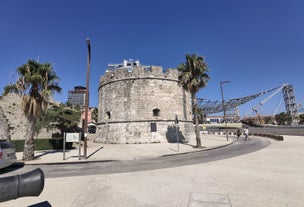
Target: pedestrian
238,134
246,133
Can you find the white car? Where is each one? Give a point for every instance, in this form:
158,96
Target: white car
7,154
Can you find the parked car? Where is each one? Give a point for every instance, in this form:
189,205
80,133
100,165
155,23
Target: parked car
7,154
92,128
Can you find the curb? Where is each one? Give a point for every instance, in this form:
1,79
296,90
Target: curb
94,161
203,149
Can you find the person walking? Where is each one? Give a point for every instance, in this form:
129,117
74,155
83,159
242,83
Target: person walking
238,134
246,133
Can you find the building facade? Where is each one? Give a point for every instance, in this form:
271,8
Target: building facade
77,96
140,104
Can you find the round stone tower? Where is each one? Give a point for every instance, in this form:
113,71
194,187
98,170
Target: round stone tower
141,104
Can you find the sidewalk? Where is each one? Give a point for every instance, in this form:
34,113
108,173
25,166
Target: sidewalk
102,152
272,177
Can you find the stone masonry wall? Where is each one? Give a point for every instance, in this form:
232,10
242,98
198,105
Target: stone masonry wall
140,132
13,121
138,105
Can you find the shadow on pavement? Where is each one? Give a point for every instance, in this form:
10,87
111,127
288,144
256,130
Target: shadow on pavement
14,167
42,204
48,152
94,152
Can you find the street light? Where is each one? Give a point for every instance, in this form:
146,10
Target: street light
85,127
224,107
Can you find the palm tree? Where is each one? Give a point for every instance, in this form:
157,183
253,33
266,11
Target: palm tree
36,85
192,78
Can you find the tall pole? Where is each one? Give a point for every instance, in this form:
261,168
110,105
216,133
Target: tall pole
177,138
85,127
224,107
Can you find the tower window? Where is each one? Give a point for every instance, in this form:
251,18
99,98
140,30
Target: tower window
109,114
153,127
156,112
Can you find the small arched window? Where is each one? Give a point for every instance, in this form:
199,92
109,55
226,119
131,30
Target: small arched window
156,112
109,114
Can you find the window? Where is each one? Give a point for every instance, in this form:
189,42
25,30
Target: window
148,69
156,112
153,127
109,114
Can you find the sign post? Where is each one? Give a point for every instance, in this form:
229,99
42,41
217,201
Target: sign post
177,138
71,137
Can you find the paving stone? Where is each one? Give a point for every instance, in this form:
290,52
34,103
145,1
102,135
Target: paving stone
208,200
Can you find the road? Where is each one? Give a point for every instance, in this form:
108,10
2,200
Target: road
271,177
110,167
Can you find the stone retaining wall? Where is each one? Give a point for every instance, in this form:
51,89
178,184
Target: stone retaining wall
13,121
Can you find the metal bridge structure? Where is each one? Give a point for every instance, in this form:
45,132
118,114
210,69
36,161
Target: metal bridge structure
211,107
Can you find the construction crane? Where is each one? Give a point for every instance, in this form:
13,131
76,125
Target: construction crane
255,108
211,107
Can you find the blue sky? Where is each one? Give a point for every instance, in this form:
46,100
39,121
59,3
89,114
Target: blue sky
257,45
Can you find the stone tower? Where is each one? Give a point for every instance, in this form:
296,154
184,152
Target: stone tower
139,104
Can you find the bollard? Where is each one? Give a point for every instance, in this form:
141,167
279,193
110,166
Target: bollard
27,184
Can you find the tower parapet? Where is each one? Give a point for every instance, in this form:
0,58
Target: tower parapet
118,72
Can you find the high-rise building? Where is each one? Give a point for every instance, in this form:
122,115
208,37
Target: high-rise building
77,96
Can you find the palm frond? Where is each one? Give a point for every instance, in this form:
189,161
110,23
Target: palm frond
193,73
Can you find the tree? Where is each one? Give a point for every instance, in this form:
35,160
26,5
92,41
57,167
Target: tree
301,118
201,116
65,117
283,118
192,77
36,85
45,121
95,114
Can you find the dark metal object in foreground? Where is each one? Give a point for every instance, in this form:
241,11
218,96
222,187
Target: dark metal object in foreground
27,184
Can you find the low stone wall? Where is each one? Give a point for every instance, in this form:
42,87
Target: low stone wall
296,131
217,133
275,130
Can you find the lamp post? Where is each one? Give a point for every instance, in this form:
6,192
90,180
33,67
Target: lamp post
85,127
224,107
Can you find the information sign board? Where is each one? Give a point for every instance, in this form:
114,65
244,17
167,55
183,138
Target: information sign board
72,137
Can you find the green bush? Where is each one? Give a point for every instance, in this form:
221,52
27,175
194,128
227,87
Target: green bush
19,145
44,144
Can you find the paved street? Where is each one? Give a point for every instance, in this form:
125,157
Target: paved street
96,167
272,176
